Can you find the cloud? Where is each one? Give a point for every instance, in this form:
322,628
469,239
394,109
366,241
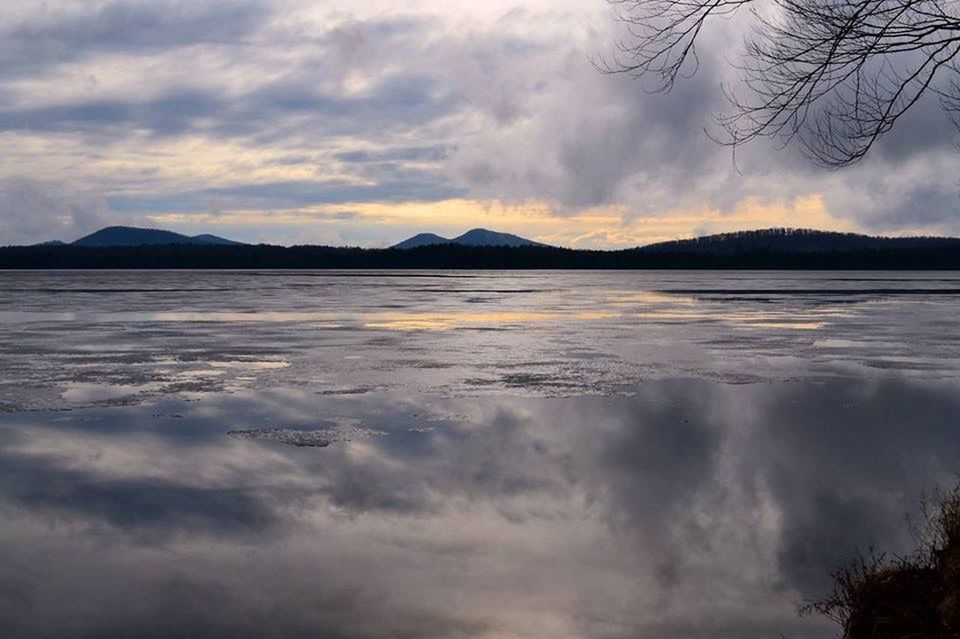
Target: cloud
691,508
395,103
43,39
601,140
414,154
913,192
33,211
172,114
412,104
423,187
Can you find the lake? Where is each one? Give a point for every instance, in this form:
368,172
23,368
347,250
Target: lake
461,454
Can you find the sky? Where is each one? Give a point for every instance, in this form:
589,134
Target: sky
362,123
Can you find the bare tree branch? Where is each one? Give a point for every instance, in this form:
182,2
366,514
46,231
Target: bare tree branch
832,75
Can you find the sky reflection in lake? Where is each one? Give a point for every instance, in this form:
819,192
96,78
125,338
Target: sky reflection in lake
631,479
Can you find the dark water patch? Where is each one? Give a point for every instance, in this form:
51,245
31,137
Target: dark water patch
300,438
359,390
440,289
811,291
394,273
889,278
97,291
320,438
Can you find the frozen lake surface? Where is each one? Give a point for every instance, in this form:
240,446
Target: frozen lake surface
461,454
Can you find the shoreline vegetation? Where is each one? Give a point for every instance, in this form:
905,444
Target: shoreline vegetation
943,255
132,248
877,596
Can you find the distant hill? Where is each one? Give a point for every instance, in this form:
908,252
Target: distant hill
51,243
780,240
421,239
206,238
131,236
473,237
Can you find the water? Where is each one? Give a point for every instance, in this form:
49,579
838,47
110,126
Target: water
462,454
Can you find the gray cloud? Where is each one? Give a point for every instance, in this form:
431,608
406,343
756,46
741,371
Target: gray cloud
602,140
415,153
34,211
509,110
172,114
396,103
50,38
291,194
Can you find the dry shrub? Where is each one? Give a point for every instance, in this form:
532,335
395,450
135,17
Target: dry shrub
915,596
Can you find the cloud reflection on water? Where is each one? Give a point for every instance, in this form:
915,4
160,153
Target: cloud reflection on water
689,509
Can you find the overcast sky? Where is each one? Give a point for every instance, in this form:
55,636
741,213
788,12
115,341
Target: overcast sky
344,122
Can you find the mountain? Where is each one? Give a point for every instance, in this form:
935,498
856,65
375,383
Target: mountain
779,240
206,238
51,243
483,237
473,237
131,236
421,239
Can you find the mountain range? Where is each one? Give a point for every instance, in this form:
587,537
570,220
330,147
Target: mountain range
777,241
765,249
132,236
473,237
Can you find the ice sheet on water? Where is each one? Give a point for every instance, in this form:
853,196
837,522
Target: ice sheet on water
556,334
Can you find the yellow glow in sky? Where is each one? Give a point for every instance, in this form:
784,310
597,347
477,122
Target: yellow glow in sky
605,227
